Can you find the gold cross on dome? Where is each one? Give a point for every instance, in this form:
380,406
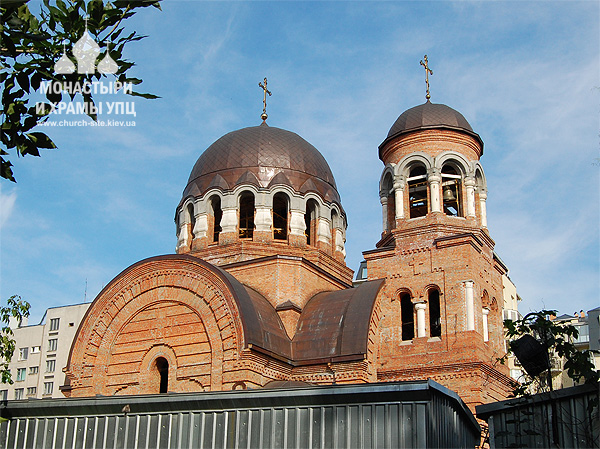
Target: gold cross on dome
264,88
428,72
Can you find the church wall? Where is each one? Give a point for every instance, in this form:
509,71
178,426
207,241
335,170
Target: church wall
433,142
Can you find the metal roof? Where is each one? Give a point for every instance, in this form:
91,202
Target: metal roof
263,156
429,116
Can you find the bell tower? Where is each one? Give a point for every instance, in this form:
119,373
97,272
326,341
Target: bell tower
441,310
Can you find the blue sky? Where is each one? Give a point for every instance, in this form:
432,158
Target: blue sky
524,74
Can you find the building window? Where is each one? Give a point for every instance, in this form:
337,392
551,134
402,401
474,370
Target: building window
435,322
33,370
388,194
451,191
21,373
408,317
162,366
3,395
54,323
23,353
35,349
50,366
417,192
19,393
52,344
246,228
31,391
280,216
192,217
217,216
48,387
310,221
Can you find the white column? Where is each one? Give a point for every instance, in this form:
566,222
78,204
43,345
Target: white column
182,236
470,188
486,335
399,197
297,224
339,240
470,305
201,227
324,231
229,220
434,181
482,207
263,220
384,222
420,308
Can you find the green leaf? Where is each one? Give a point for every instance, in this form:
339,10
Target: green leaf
41,140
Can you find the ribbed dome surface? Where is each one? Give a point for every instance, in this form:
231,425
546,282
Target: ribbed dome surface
263,156
429,115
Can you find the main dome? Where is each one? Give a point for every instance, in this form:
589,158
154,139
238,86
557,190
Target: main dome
263,156
430,116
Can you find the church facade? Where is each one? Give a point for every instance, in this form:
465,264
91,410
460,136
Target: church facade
258,293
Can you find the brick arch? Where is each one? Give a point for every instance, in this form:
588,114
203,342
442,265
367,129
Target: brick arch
199,290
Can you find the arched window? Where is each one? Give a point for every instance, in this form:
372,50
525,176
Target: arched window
280,216
310,220
162,366
192,217
388,192
451,191
408,317
217,215
435,321
246,215
417,191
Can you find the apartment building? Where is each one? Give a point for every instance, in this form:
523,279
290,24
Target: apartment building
41,353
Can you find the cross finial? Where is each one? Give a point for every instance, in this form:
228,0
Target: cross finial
264,88
428,72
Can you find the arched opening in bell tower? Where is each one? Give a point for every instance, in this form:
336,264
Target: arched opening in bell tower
451,191
390,202
408,317
246,226
417,191
280,216
162,367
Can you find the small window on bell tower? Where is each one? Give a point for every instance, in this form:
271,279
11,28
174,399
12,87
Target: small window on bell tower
407,316
417,191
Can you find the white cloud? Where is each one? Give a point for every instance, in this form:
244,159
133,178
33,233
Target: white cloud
7,204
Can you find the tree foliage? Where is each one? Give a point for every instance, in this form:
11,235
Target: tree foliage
32,41
558,338
18,309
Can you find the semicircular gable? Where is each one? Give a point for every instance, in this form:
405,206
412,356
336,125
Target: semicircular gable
201,313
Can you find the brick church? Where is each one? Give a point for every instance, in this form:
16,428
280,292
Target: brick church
258,293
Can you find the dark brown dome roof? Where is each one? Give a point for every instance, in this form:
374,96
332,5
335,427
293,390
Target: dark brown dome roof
263,156
430,116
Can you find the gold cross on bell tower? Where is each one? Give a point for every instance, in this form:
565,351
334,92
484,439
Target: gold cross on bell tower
264,88
428,72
